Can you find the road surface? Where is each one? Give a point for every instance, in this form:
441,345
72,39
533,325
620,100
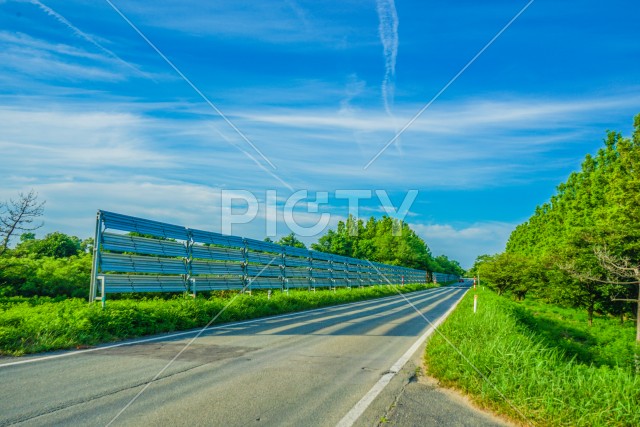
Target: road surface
301,369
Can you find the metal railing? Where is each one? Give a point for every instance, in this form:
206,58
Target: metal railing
161,257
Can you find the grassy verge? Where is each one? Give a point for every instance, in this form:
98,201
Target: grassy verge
550,381
31,325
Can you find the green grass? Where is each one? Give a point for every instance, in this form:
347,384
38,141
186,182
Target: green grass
32,325
607,342
550,366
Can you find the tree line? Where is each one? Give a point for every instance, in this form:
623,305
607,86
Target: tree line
582,247
384,240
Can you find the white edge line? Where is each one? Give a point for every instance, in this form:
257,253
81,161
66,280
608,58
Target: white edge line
192,332
359,408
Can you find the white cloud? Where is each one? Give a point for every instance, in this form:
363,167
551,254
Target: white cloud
456,118
465,243
65,140
71,206
282,23
314,149
117,154
29,56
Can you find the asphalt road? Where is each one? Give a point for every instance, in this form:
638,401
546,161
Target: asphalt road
303,369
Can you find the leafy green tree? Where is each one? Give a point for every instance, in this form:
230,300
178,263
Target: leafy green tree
506,272
56,245
291,240
442,264
383,240
473,271
598,206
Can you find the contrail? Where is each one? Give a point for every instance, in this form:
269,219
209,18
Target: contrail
388,29
78,32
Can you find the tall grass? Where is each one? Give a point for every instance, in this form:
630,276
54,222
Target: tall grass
31,325
543,381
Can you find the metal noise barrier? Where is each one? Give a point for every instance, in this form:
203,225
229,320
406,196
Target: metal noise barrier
444,277
133,254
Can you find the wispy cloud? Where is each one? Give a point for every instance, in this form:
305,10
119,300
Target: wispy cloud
293,24
388,29
460,117
78,32
43,60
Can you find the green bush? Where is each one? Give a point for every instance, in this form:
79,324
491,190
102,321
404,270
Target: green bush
46,276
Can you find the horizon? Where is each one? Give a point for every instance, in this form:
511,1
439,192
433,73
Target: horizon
312,97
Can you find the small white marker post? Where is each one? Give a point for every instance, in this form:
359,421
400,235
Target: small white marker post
475,303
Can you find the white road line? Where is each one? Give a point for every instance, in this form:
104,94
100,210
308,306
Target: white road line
359,408
193,332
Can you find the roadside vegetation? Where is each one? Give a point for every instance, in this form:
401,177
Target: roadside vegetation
546,361
555,331
37,324
582,248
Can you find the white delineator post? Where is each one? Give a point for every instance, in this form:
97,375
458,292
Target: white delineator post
475,303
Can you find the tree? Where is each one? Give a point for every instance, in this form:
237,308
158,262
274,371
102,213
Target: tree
56,245
291,240
59,245
19,215
384,240
624,272
442,264
473,271
506,272
598,206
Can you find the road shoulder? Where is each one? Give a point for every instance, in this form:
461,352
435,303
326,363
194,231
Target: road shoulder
414,399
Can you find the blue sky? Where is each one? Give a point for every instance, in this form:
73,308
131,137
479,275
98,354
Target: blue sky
92,117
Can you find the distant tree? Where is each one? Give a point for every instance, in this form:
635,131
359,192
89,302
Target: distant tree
56,245
385,240
25,237
268,240
87,245
291,240
506,272
473,271
19,215
442,264
59,245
